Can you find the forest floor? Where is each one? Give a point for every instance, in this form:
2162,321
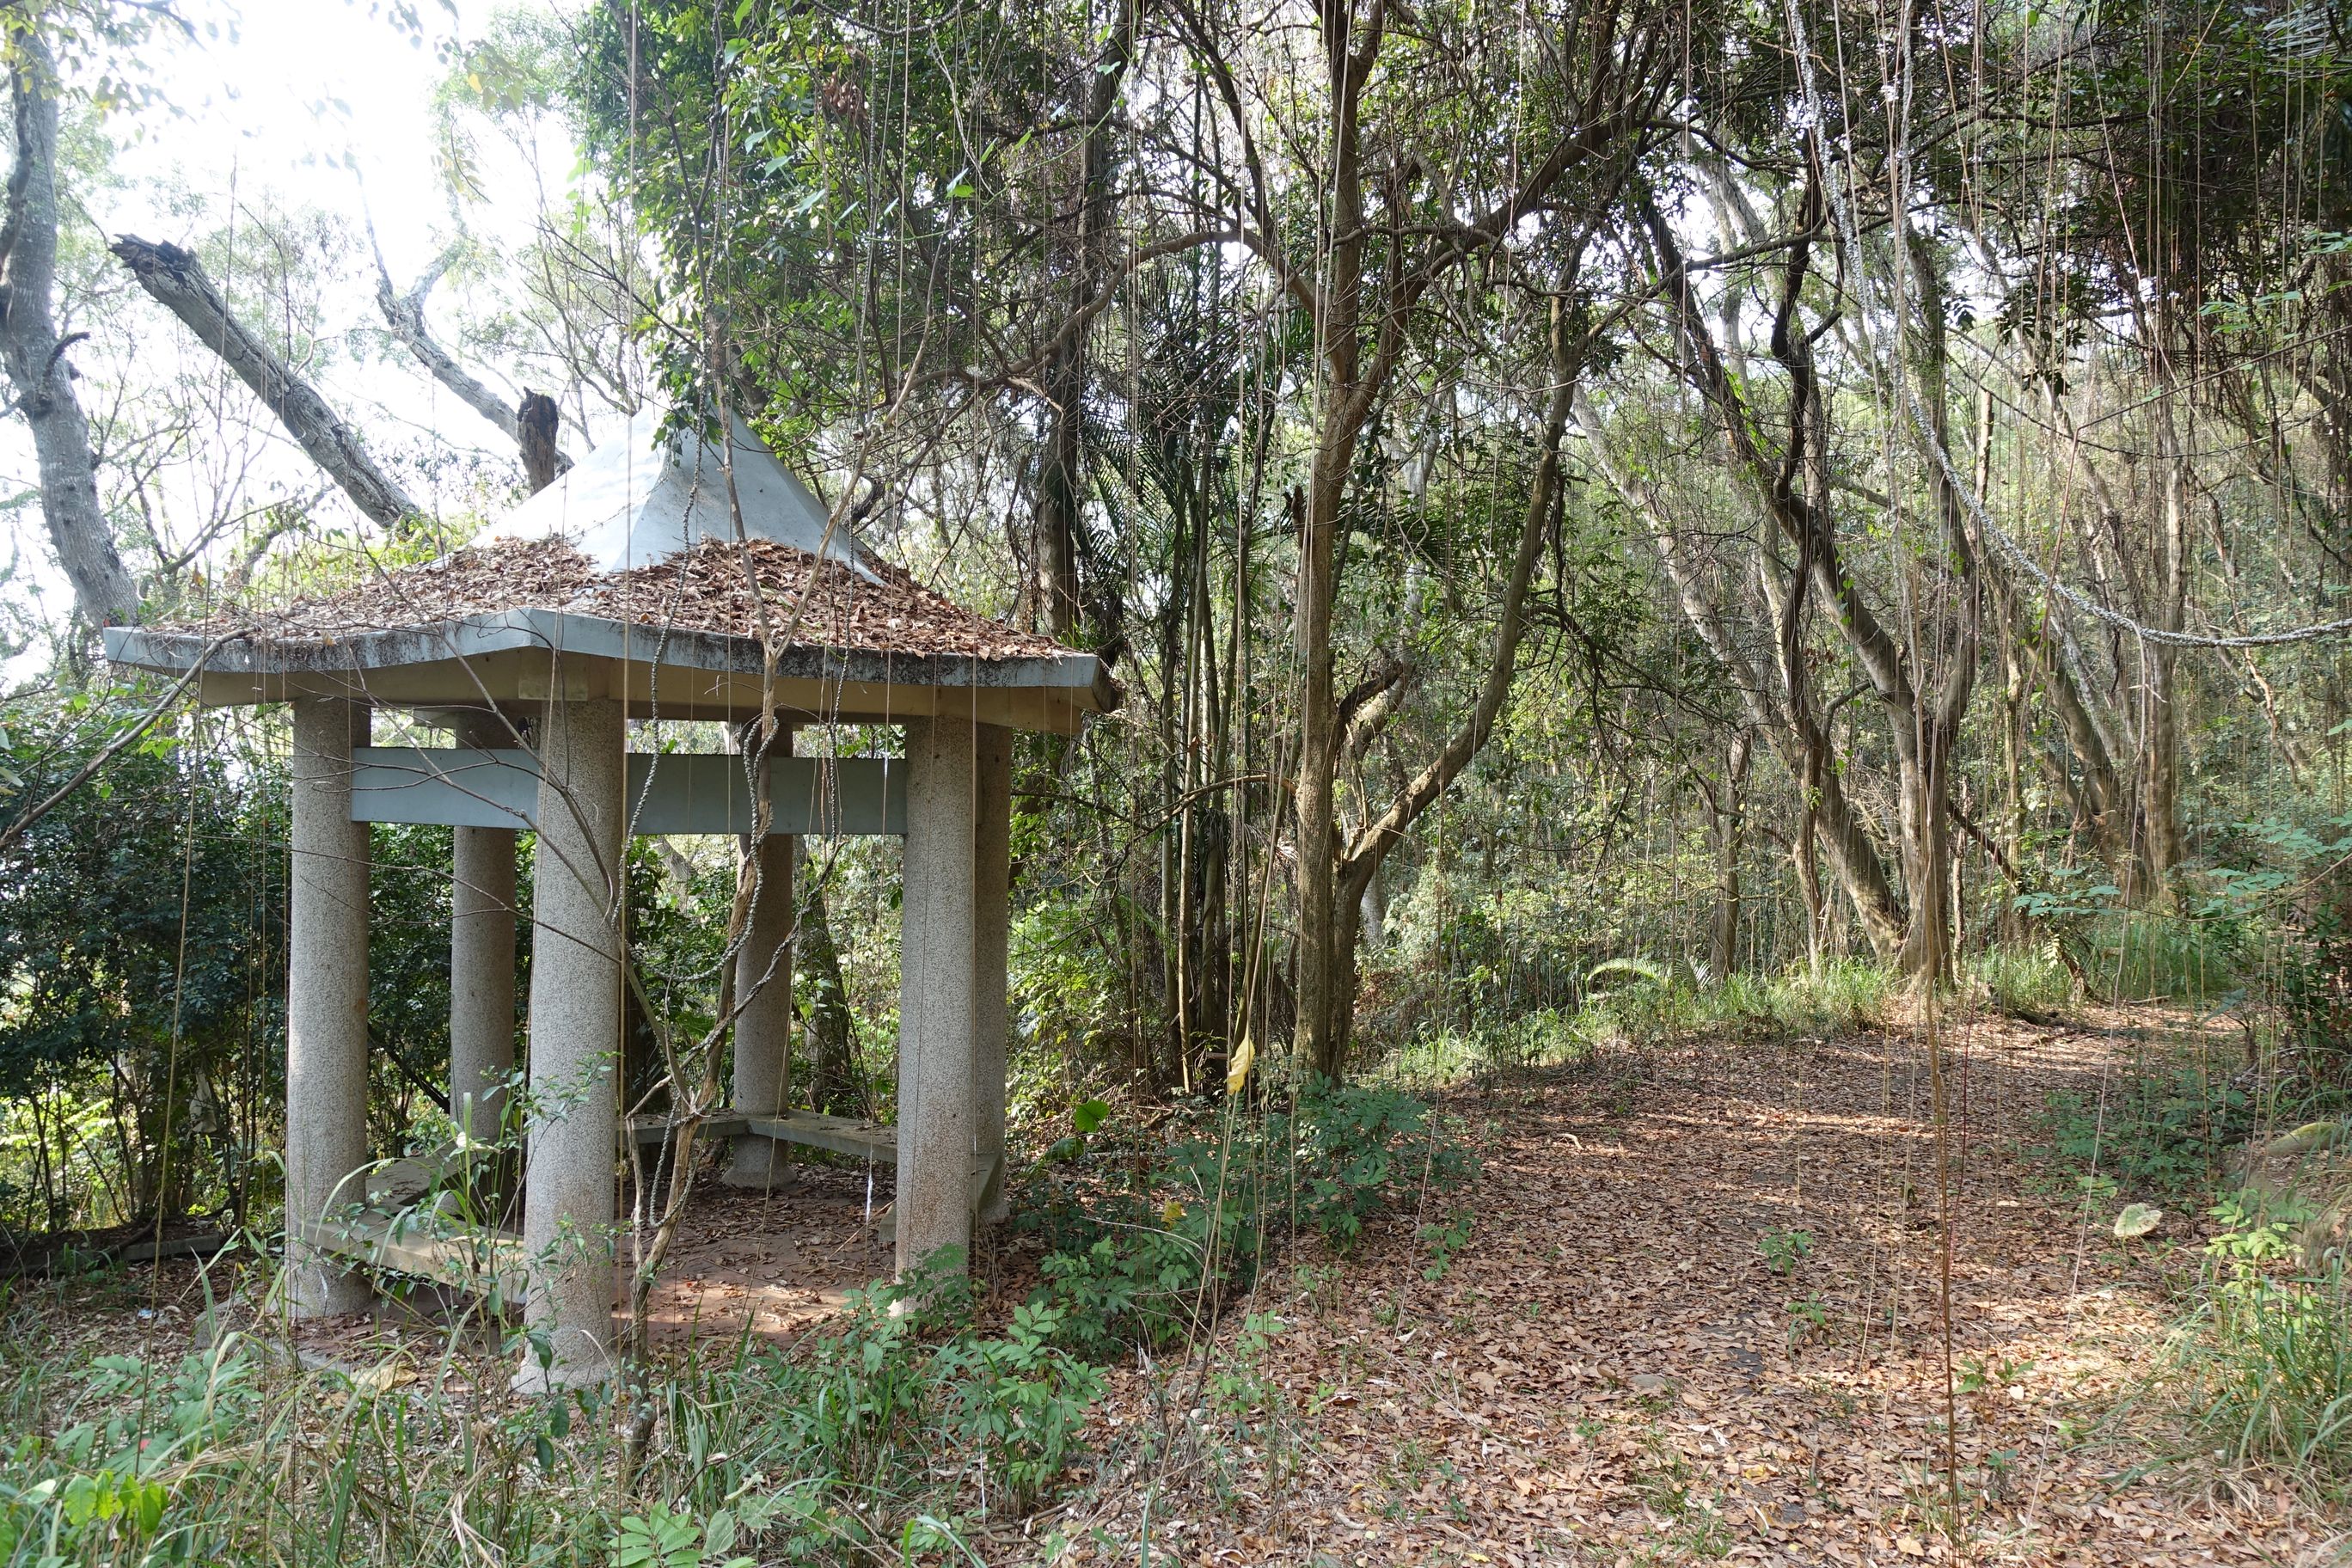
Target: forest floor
1609,1349
1608,1369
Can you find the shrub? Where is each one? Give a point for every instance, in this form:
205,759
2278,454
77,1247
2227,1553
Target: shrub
830,1451
2159,1134
2264,1367
1149,1255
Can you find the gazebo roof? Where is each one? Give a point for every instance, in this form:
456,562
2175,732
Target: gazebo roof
626,579
639,499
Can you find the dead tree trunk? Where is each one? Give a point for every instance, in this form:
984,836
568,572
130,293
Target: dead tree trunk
530,425
178,282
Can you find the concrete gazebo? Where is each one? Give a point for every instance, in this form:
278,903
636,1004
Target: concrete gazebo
623,591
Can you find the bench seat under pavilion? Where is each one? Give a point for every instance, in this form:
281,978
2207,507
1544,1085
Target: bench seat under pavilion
658,579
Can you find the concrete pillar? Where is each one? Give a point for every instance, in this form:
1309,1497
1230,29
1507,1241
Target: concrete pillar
764,1025
936,1000
576,1018
326,1004
991,894
481,963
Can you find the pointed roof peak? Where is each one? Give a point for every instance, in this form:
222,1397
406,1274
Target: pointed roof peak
640,498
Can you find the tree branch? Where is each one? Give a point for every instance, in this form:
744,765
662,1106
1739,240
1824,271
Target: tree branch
178,282
404,314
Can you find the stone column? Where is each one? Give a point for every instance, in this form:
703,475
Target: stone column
763,1025
991,894
482,963
326,1004
936,1000
576,1016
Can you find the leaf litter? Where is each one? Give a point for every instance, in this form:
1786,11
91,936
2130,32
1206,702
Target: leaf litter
1613,1372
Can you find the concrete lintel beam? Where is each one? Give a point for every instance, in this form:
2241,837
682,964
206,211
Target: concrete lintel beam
669,793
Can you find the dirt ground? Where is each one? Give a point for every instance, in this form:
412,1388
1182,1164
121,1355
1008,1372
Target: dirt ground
1607,1368
1608,1371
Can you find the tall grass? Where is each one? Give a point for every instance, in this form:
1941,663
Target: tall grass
2027,980
1641,1006
896,1432
2263,1371
2145,957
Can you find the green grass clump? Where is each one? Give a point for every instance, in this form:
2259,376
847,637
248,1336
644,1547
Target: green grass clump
2146,957
2262,1372
2027,980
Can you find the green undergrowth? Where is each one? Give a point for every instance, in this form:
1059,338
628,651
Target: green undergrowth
2161,1136
2260,1373
896,1432
889,1436
2256,1373
1148,1240
1630,1003
2025,980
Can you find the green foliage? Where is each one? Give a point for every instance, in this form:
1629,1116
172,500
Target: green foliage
1150,1253
2162,1135
2262,1371
657,1539
1065,980
1618,972
901,1412
2152,957
1019,1401
1782,1250
2025,981
141,943
1443,1241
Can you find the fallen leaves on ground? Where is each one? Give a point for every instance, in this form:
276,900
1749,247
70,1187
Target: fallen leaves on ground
1614,1371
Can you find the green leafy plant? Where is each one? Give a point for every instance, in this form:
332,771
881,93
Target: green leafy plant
1019,1401
2161,1135
2263,1371
1151,1251
657,1539
1783,1250
1807,1318
1443,1241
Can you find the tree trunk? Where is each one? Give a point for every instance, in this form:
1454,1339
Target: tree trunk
1061,488
178,282
2160,790
104,593
1360,861
535,426
833,1087
1723,936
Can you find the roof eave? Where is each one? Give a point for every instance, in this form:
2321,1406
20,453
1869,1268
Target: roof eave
1076,676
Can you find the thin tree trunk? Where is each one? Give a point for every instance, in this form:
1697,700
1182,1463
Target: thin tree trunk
2160,793
1060,489
833,1086
1354,869
1724,935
